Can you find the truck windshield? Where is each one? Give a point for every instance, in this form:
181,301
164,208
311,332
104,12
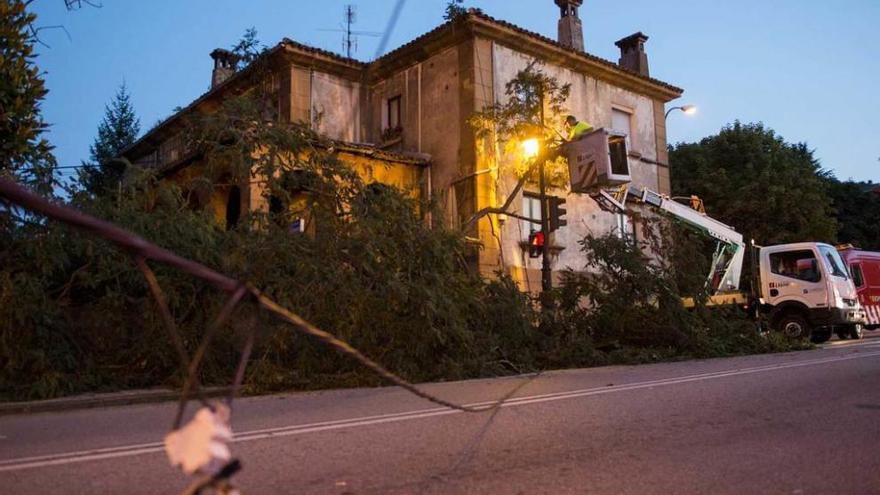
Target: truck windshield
832,259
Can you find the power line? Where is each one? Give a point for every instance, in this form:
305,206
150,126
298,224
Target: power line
392,23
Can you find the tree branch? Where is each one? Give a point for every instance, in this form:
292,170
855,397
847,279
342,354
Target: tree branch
498,211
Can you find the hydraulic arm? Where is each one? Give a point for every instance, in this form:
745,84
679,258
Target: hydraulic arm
728,259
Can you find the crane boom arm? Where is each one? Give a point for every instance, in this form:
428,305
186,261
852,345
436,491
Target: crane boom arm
729,255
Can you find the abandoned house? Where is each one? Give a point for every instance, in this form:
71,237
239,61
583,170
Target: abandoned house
402,120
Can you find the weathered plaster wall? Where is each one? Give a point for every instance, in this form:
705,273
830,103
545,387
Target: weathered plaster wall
431,118
295,98
380,93
335,103
405,176
592,100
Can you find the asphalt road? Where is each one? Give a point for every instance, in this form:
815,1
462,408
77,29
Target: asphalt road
800,423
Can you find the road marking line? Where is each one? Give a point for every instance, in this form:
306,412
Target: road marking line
872,342
252,435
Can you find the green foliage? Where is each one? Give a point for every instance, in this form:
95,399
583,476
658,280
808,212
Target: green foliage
454,10
118,130
248,47
857,208
75,315
24,154
770,190
625,306
533,108
533,100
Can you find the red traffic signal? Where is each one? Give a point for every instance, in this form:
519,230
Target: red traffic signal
536,244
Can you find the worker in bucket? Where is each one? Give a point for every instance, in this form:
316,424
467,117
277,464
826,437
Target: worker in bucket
575,128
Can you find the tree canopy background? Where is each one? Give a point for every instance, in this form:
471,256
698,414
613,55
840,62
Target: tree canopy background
752,179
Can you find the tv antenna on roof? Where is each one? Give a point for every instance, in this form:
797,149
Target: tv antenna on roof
349,40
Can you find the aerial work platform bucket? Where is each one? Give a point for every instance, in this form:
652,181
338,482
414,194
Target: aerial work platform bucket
597,160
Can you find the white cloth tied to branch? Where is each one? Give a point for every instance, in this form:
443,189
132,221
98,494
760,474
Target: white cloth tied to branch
201,446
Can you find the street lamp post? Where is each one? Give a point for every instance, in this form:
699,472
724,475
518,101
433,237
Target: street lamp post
687,109
546,273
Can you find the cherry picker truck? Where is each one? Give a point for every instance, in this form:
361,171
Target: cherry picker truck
802,290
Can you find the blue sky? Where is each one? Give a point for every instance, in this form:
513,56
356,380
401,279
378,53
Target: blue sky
806,68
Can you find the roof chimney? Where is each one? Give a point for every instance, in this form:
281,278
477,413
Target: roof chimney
632,53
225,64
571,31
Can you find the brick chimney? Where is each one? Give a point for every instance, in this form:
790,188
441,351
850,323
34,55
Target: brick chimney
225,64
571,31
632,53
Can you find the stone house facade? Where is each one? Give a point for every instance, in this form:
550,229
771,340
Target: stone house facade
413,103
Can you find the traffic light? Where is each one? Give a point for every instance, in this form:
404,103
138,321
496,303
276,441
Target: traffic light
536,244
557,213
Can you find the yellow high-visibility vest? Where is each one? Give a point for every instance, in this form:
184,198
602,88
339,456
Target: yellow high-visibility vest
579,130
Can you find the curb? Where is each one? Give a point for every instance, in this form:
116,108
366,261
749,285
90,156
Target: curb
91,401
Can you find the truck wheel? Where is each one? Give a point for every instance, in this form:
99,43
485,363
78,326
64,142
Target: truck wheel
856,331
820,336
793,326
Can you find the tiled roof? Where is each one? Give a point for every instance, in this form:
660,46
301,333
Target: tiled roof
373,151
607,63
322,52
472,15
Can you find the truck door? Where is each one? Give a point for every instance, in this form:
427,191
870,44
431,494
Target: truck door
794,275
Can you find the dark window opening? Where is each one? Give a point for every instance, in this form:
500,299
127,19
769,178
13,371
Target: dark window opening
394,117
619,160
276,206
233,207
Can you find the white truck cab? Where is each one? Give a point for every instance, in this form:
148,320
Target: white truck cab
806,290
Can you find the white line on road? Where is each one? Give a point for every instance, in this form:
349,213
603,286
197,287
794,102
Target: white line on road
252,435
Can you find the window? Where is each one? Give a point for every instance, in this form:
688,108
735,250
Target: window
233,207
394,113
625,228
531,209
801,265
617,147
621,121
835,264
858,277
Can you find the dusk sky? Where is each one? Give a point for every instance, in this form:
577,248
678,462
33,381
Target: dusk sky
806,68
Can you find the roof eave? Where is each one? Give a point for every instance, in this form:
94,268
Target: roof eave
552,52
161,131
306,56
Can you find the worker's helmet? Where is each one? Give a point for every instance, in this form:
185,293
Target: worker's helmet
571,120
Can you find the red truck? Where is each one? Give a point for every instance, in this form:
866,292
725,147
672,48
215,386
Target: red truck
864,266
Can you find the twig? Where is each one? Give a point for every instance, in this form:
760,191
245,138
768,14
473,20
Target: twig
162,303
192,377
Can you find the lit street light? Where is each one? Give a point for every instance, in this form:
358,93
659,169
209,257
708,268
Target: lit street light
687,109
531,148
